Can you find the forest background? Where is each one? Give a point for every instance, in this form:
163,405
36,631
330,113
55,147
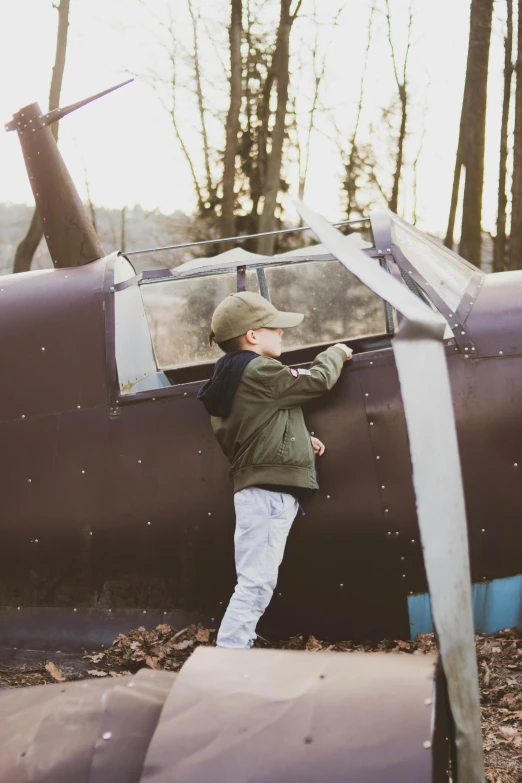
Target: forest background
239,105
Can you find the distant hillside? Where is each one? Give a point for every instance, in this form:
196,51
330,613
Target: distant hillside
134,229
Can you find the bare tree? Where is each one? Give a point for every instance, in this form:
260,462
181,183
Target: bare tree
27,247
401,82
352,165
232,126
515,239
500,241
281,78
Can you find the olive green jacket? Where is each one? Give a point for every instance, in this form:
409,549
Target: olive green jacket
265,436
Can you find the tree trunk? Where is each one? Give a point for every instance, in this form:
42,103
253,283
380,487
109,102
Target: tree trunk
27,247
515,239
232,128
475,128
265,245
448,240
500,242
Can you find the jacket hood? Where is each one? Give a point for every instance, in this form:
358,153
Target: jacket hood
217,394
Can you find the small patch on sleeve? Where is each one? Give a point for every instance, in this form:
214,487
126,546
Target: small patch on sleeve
302,371
293,372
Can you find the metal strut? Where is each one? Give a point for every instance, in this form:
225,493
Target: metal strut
241,238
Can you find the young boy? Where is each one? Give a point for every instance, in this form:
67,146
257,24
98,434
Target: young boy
255,406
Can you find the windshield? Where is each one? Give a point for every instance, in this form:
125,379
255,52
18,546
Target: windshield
448,274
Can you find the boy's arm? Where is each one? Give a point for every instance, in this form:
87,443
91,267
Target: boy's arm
291,387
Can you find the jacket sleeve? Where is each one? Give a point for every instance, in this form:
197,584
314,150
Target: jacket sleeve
290,390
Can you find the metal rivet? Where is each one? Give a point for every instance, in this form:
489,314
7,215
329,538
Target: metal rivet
412,540
221,603
396,532
111,289
472,349
341,585
43,349
292,439
515,464
75,610
386,510
210,513
144,611
18,608
139,462
371,362
466,357
90,533
23,415
83,471
382,486
402,558
501,352
280,594
483,577
389,532
366,395
404,576
184,394
377,457
78,406
483,530
426,744
411,593
109,610
107,735
450,315
148,523
29,480
328,497
371,424
164,613
466,349
199,452
35,540
388,249
456,349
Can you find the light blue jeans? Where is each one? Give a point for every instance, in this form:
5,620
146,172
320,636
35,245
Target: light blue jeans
263,521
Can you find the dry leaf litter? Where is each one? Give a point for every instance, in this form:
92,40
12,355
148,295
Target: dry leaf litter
499,660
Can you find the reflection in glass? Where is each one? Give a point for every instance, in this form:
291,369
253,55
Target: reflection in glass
448,274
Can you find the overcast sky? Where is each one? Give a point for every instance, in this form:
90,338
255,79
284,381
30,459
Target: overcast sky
125,141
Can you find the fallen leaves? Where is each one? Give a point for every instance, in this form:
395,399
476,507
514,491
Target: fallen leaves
55,672
162,648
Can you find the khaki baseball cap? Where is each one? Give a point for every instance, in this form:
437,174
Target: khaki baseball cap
239,313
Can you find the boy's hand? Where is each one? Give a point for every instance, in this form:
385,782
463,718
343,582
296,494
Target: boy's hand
318,446
348,351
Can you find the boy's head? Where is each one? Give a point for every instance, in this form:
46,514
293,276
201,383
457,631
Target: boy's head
248,322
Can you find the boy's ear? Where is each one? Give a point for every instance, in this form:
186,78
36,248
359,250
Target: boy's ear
250,337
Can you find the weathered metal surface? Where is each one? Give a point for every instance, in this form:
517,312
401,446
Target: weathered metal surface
260,715
265,715
86,732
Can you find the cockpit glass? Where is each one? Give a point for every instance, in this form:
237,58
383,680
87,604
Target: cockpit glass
179,315
337,306
448,274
